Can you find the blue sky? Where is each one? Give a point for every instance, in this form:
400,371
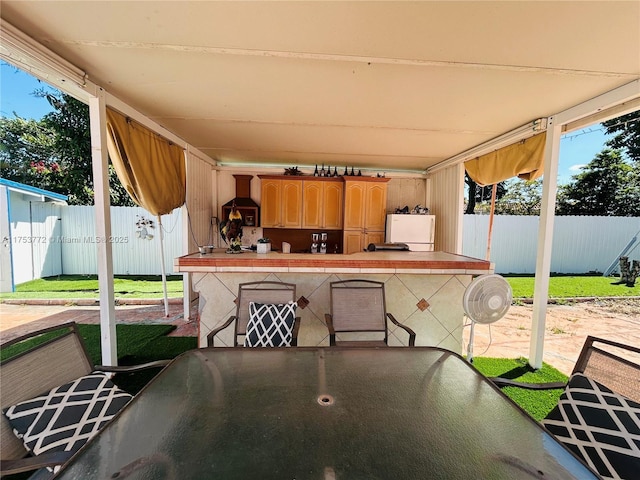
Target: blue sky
16,95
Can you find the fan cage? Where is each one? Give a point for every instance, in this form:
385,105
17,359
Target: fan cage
487,298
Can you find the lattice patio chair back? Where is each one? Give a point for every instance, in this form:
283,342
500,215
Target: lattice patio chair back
52,357
269,292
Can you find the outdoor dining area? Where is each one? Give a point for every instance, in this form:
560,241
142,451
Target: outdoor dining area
267,408
338,354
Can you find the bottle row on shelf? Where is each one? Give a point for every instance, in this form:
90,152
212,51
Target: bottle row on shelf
328,173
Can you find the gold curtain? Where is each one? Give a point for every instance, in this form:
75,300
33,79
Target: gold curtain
524,159
151,168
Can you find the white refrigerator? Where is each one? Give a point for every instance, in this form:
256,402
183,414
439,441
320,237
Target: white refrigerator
417,231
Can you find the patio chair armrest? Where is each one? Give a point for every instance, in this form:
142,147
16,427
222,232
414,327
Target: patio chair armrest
412,334
132,368
27,464
332,333
214,332
506,382
294,334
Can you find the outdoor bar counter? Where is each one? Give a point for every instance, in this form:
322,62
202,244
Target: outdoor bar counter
423,289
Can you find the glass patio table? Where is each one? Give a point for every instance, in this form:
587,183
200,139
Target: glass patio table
322,413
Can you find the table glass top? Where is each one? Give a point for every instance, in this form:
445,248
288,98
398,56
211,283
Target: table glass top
322,413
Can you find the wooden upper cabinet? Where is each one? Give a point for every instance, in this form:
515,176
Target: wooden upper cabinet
270,202
354,201
312,210
375,212
281,203
333,195
322,204
365,206
291,203
347,203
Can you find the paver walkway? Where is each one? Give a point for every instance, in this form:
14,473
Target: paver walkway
566,329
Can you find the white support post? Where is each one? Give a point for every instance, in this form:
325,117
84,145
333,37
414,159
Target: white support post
100,160
545,240
186,277
163,267
186,238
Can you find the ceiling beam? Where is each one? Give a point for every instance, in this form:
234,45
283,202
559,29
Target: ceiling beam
333,57
604,115
599,105
20,50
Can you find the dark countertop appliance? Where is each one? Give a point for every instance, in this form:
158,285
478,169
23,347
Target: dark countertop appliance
374,247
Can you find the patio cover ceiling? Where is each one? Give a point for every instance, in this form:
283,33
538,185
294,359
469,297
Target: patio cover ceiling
381,85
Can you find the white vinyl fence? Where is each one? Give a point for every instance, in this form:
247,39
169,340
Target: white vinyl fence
67,243
134,253
580,244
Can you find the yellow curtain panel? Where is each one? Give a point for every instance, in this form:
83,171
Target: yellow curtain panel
524,160
151,168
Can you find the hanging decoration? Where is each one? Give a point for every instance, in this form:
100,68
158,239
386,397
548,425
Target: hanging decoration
143,225
231,229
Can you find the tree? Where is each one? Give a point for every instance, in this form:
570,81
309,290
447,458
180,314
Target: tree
54,153
607,186
480,194
627,135
522,198
69,123
23,145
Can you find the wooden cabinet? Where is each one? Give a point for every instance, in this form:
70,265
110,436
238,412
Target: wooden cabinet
355,241
333,205
281,202
322,204
312,195
365,202
354,208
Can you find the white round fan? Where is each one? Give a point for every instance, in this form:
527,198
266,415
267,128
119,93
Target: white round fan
486,300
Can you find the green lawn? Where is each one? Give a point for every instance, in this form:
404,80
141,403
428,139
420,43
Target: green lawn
537,403
150,286
86,286
573,287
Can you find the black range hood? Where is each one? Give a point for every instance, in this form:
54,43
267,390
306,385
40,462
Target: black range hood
249,209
